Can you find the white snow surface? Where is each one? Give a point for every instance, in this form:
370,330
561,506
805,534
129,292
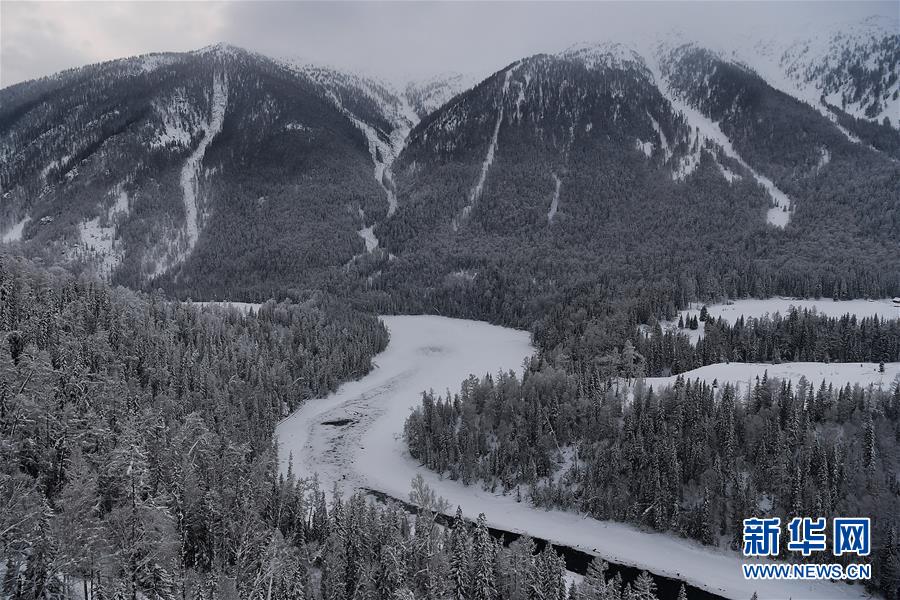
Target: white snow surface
243,307
428,352
554,204
14,233
755,307
743,375
645,147
368,234
179,118
99,241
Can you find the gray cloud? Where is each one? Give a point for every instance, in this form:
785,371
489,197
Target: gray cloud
397,40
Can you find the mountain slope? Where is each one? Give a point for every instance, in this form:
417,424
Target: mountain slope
674,168
665,170
202,171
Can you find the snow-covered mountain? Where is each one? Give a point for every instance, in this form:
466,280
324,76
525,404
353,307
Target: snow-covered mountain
150,168
429,94
852,66
203,171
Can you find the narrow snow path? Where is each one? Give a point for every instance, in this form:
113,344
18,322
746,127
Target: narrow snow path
354,437
384,152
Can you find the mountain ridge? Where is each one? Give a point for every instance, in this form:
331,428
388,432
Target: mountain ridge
412,169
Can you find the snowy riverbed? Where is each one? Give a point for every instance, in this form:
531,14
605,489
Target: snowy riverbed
353,437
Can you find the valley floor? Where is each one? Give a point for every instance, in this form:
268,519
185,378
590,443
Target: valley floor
354,438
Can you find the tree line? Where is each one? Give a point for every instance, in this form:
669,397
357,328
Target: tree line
799,335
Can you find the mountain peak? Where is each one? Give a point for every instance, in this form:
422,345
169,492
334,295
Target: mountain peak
605,53
222,49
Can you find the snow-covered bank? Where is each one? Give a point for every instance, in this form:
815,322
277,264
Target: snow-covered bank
243,307
353,437
743,375
754,307
757,308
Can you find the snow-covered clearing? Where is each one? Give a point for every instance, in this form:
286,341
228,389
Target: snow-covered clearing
662,137
756,308
14,233
743,375
243,307
178,116
362,447
99,241
645,147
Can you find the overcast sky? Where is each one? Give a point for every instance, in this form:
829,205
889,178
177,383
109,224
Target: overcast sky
395,40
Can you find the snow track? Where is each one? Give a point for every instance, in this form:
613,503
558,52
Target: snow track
354,438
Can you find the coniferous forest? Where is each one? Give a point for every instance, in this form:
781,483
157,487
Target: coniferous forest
138,460
588,196
693,460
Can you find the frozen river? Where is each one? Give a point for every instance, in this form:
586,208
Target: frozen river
353,437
